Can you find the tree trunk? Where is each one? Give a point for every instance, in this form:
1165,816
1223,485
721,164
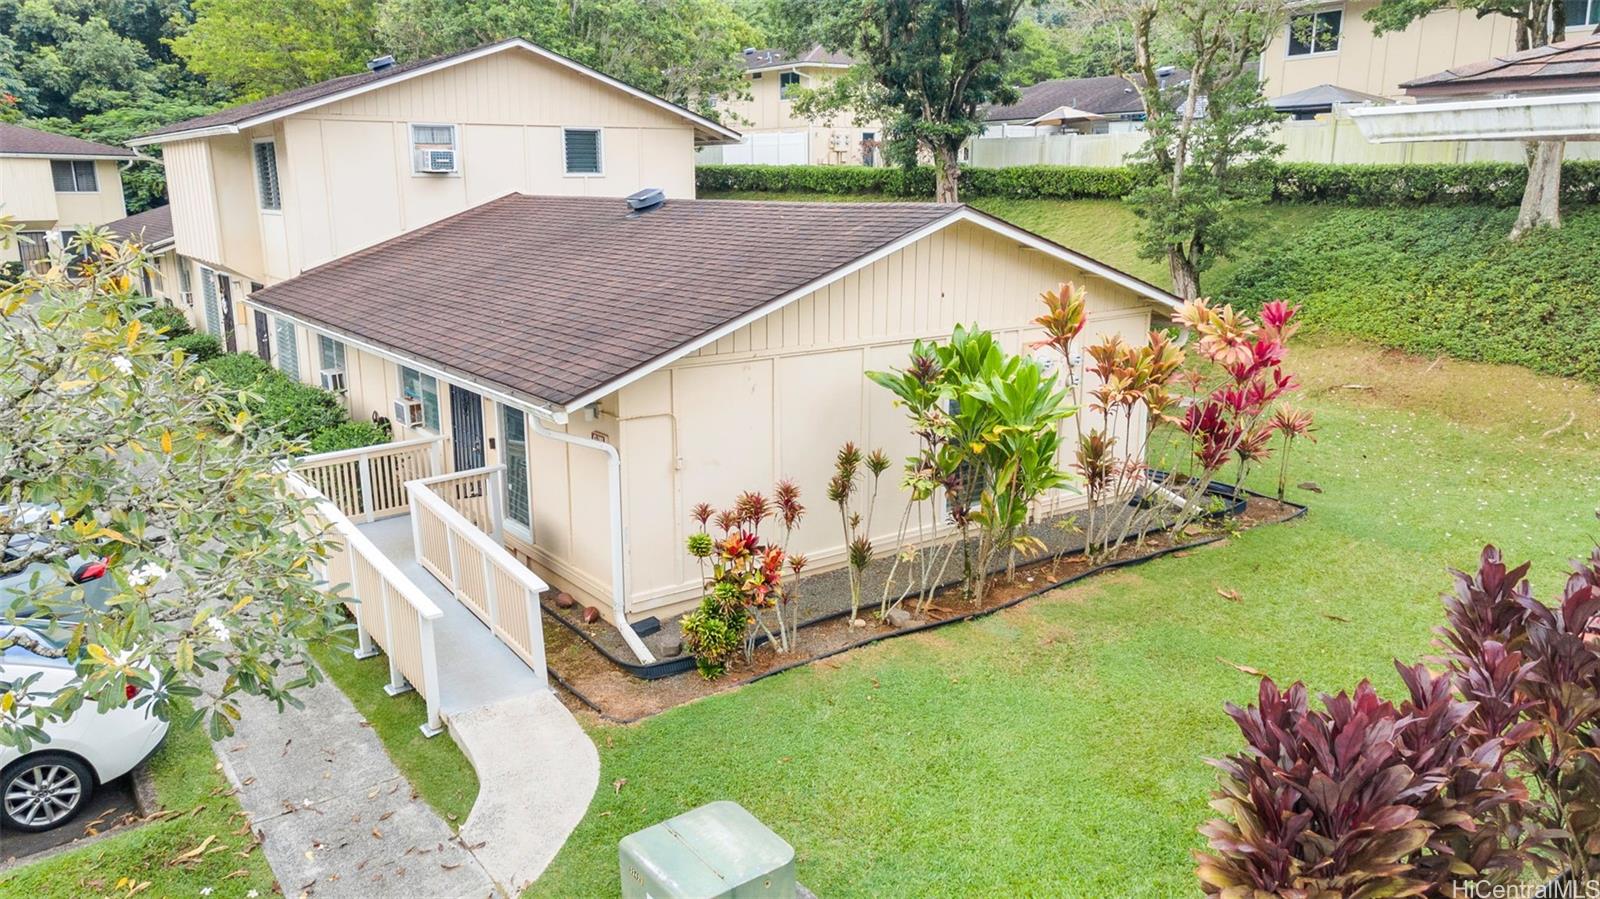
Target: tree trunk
1185,280
947,171
1541,199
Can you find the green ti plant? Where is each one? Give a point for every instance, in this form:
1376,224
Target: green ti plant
855,484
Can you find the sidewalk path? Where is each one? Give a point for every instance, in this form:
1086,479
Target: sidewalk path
335,816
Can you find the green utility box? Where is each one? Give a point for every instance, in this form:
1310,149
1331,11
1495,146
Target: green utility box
715,850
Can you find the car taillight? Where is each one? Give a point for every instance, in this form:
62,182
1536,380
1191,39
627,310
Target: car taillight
130,691
89,571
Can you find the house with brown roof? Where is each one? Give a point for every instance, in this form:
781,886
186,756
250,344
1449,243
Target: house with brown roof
152,230
1100,105
776,134
54,185
614,352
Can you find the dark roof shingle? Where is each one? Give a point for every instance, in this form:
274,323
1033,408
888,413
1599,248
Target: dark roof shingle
554,297
19,140
1106,95
1569,65
152,227
817,55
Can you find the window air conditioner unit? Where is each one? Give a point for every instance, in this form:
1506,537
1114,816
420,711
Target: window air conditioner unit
333,379
436,161
408,411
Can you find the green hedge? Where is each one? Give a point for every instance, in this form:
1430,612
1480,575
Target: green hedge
297,411
348,435
199,347
167,320
1438,280
1366,185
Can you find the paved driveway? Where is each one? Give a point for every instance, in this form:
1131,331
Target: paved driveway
110,804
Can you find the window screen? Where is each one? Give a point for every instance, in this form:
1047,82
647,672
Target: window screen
583,151
786,81
433,135
74,175
267,175
514,430
208,291
288,348
331,352
416,385
1315,32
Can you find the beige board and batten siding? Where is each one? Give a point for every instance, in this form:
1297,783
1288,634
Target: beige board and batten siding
347,167
765,111
776,398
28,195
1379,64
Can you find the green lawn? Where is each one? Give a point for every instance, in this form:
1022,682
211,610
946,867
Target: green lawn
1057,749
188,780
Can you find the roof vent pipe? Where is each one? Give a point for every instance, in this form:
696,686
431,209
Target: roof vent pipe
378,64
749,51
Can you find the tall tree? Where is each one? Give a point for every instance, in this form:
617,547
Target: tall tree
1208,147
260,47
113,447
928,66
686,51
1539,23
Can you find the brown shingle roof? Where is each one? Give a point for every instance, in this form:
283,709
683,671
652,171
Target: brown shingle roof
18,140
152,227
817,55
1106,95
554,297
322,90
1569,65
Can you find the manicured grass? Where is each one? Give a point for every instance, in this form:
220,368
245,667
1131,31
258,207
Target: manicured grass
435,766
1058,748
188,779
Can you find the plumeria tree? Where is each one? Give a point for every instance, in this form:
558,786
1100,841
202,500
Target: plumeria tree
117,453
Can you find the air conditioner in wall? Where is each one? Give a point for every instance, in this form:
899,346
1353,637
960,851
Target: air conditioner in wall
333,379
408,411
438,162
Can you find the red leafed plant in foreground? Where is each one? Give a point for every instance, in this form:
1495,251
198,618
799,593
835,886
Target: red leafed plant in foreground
1487,769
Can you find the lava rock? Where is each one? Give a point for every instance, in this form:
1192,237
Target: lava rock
590,614
898,617
564,600
673,649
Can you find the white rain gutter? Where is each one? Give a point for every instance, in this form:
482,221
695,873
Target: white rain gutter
619,589
1537,117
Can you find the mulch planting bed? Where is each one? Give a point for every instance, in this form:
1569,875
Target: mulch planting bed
594,682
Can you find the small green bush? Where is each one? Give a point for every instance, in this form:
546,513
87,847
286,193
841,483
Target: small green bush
198,347
240,371
1495,183
348,435
295,410
167,320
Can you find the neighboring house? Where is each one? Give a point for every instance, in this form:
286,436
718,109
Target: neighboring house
152,229
1330,44
775,135
1102,105
1306,105
623,363
52,185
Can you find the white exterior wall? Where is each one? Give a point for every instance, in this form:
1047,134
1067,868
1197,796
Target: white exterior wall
769,122
28,194
778,397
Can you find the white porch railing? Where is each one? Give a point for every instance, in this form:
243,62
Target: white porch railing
390,611
369,482
469,560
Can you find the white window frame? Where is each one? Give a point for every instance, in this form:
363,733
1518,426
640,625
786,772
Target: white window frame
1591,13
783,87
435,427
455,146
599,151
72,164
213,325
277,175
1288,34
512,526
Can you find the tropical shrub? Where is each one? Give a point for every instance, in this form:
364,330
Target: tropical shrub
166,321
988,425
743,576
347,435
197,346
297,412
1363,798
847,492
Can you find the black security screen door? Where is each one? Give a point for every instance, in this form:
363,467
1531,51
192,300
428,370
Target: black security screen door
263,337
466,428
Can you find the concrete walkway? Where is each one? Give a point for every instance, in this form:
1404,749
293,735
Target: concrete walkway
335,817
338,819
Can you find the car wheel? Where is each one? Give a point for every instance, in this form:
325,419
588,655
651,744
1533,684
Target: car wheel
44,791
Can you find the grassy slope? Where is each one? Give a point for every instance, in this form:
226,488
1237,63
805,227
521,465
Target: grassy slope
187,779
435,766
1058,748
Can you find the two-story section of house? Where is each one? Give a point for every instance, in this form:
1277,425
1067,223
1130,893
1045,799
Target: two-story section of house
53,185
263,191
775,134
1331,46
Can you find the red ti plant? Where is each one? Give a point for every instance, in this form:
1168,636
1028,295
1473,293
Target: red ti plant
1291,424
1360,798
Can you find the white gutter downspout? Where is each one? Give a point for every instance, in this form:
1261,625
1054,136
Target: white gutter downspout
619,590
